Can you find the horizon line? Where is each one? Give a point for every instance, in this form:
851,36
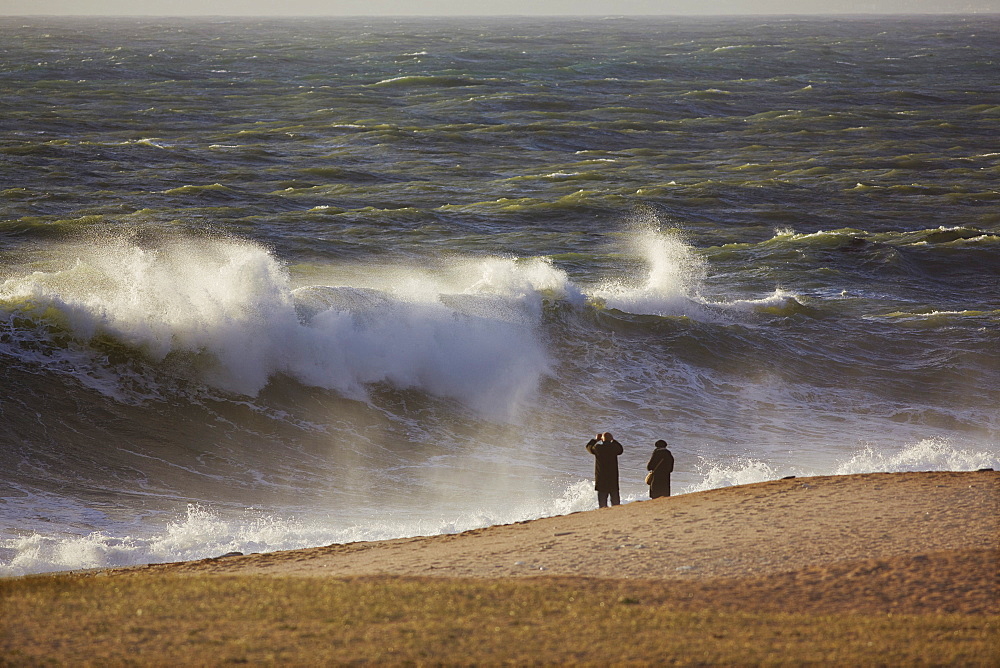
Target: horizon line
533,16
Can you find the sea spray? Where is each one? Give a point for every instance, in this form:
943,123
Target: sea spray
741,471
217,307
932,454
674,273
226,313
204,532
223,312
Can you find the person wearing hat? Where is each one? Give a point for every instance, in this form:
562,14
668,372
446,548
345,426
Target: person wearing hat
660,466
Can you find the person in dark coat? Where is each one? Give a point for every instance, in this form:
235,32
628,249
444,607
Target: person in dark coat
661,464
606,449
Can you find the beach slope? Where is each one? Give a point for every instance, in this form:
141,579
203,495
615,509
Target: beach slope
899,567
735,532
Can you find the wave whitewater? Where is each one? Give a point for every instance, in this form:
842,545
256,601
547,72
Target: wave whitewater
227,313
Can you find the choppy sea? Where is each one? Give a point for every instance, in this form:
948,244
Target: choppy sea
284,283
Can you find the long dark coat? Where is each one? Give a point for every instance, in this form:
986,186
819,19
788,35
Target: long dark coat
662,464
605,464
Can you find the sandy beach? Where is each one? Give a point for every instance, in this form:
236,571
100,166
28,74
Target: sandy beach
887,569
924,540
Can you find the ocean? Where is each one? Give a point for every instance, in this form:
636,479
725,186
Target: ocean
270,284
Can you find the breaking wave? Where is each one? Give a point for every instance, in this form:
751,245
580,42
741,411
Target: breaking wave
226,313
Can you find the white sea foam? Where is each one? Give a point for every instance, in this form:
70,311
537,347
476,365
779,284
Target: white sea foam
226,311
933,454
741,471
204,533
779,299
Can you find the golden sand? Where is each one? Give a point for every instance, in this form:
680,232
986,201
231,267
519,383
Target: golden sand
881,569
918,540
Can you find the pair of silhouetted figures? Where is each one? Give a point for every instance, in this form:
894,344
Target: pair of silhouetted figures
606,449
